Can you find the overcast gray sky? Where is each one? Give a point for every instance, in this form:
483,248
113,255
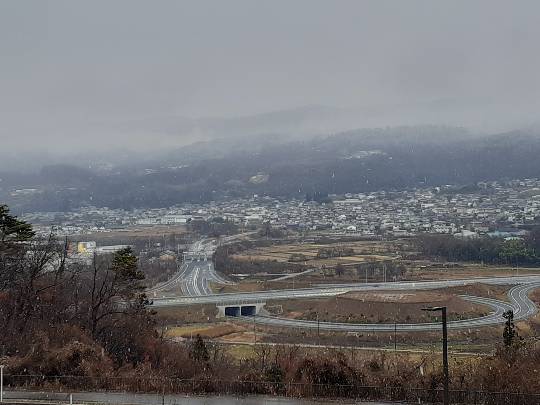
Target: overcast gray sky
84,73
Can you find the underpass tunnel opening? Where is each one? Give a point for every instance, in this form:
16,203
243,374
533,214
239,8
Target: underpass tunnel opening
232,311
248,310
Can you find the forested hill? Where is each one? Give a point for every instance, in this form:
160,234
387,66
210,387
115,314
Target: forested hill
355,161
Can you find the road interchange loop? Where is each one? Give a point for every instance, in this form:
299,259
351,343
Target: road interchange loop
519,303
195,275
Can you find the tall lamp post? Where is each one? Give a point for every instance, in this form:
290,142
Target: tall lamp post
1,383
446,394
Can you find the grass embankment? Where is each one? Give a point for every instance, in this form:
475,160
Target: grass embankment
209,331
388,306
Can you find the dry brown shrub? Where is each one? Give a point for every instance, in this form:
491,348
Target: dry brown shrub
73,359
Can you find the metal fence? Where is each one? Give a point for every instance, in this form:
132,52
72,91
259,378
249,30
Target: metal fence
202,386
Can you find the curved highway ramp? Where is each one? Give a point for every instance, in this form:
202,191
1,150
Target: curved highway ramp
520,303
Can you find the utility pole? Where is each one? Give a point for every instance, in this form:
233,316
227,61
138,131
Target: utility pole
318,330
445,357
1,383
254,331
395,336
446,393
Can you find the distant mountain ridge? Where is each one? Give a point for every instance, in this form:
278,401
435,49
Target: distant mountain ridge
353,161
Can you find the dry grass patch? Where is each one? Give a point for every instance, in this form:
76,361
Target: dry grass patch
136,232
498,292
187,314
209,331
465,270
380,307
242,337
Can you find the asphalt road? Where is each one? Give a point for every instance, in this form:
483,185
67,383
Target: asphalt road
124,398
520,303
329,291
195,274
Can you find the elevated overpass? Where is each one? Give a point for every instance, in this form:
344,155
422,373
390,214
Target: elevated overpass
240,309
197,256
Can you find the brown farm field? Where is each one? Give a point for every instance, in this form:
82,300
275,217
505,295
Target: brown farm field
135,232
387,306
364,251
440,271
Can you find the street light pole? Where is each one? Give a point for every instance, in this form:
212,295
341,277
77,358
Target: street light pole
318,330
446,393
395,336
445,356
1,383
254,331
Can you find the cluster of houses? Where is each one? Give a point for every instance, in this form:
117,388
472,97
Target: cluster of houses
496,208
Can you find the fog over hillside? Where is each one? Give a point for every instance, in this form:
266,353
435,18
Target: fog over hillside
349,162
131,80
138,104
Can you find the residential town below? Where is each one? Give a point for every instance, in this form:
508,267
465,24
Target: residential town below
503,209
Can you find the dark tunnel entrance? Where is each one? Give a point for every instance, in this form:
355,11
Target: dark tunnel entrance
232,311
248,310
